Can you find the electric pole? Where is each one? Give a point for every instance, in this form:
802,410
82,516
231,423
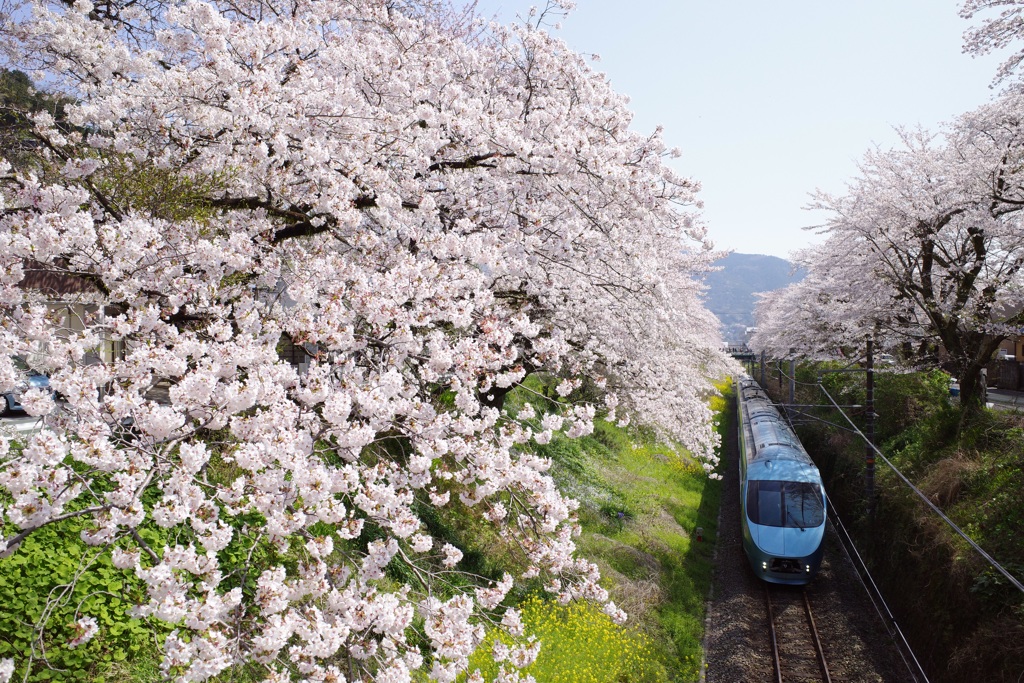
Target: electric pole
869,473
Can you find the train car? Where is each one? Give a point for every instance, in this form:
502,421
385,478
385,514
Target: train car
782,499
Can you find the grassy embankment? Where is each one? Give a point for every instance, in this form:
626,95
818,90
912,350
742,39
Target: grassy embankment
965,620
639,508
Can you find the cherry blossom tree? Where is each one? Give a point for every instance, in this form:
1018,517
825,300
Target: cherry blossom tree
431,208
1004,29
828,313
924,250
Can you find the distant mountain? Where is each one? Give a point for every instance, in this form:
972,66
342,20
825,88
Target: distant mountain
731,290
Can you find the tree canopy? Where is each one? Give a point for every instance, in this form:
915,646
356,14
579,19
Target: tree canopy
924,251
429,209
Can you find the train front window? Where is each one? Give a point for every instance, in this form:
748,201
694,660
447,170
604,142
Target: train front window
785,503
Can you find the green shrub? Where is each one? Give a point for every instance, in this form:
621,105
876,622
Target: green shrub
45,586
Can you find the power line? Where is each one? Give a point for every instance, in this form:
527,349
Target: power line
1010,577
793,378
815,418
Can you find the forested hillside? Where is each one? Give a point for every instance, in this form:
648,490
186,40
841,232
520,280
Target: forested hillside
732,289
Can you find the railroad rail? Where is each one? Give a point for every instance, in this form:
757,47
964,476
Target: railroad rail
796,646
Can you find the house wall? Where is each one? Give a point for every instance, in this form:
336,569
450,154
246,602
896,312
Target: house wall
75,317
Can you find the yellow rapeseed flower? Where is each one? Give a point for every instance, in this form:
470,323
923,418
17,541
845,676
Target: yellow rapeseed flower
581,644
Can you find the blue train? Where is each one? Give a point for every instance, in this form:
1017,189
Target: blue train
782,499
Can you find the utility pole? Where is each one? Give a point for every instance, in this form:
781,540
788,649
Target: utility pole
762,368
869,473
792,379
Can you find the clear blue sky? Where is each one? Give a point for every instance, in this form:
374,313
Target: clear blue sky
770,100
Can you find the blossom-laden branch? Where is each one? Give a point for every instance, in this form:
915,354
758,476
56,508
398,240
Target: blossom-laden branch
429,208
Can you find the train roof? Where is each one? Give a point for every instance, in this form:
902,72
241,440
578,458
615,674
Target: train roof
786,464
770,435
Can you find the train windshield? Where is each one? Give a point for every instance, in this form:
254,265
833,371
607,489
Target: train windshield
785,503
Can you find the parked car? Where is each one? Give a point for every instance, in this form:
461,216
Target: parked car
31,379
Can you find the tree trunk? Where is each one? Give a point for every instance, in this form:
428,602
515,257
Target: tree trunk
972,386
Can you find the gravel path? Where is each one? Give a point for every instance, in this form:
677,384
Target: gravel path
857,644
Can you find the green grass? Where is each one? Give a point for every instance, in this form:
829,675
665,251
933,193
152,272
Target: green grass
654,546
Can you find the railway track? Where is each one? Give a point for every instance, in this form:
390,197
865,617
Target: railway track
796,646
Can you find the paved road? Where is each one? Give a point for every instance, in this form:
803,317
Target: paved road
1006,399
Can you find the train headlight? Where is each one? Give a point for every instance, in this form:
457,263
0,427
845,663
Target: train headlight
807,568
764,566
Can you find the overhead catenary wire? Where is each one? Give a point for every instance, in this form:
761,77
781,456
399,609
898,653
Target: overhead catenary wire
846,368
815,418
981,551
793,379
